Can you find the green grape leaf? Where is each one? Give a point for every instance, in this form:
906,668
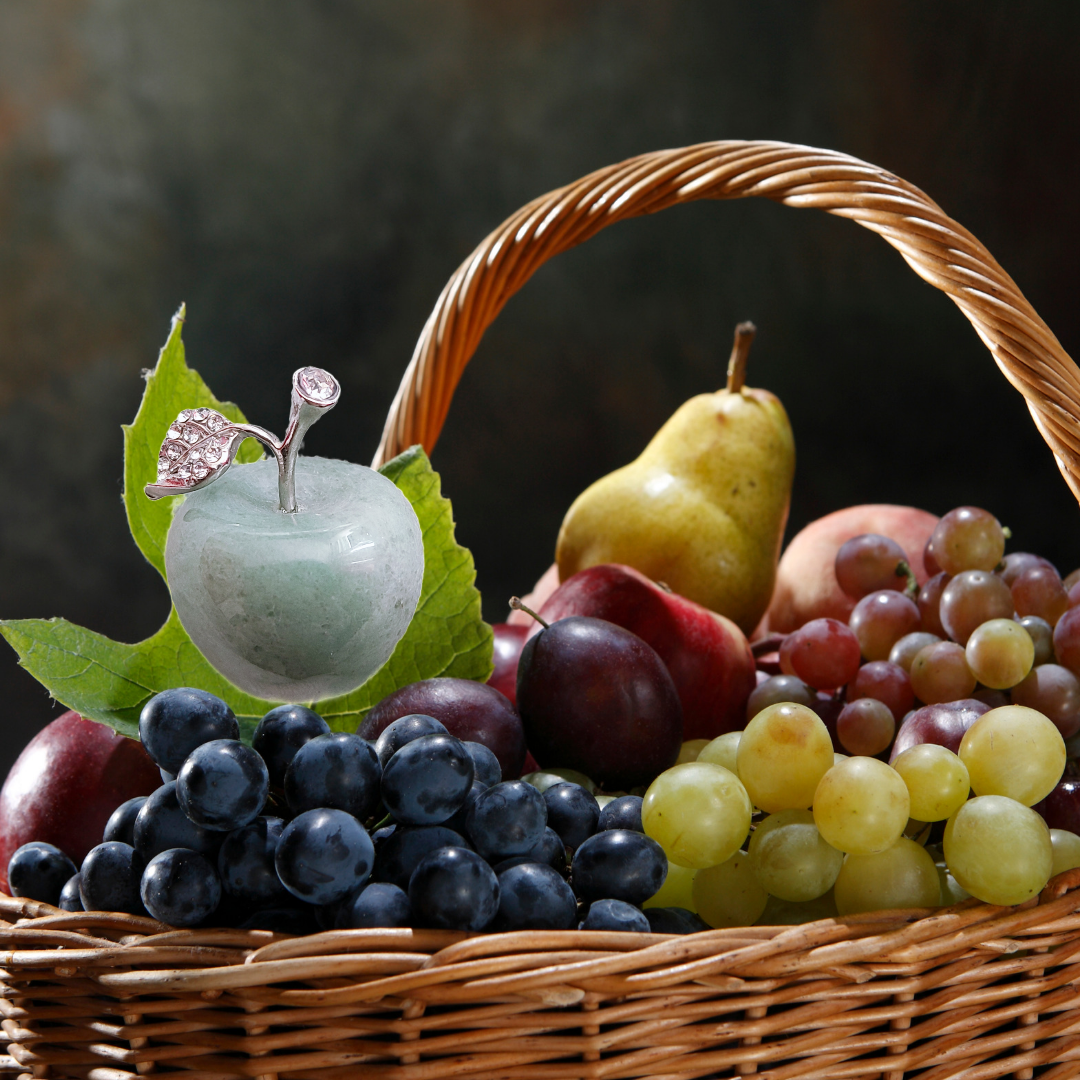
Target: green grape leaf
170,387
447,635
110,682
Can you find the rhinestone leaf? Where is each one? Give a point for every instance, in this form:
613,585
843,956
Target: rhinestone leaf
199,447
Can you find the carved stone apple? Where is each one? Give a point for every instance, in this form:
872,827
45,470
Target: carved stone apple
295,577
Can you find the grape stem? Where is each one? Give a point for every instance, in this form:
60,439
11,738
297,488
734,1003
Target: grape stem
911,589
517,605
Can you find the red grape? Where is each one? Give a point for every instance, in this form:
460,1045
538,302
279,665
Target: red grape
868,563
1038,591
865,727
929,559
940,673
824,654
1055,692
909,646
775,689
968,538
972,598
1015,563
1067,640
880,620
1042,634
943,724
930,604
885,682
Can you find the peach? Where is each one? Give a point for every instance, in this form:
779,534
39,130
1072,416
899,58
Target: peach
806,586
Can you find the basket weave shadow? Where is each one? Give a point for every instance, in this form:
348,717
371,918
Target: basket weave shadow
974,991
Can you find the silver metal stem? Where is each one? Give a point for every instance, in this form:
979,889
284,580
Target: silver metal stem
315,392
201,444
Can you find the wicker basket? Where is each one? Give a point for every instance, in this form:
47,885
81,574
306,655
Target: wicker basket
974,991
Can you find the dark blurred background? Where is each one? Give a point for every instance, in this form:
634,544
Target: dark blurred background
307,176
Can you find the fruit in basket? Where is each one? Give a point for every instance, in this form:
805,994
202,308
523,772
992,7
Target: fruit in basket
468,710
595,697
703,508
806,584
707,655
1013,751
65,785
39,871
509,640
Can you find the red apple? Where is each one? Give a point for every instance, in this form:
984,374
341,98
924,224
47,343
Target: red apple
509,641
806,586
66,783
707,654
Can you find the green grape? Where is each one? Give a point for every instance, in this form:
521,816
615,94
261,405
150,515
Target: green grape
729,894
690,749
784,913
901,876
998,849
937,781
1000,653
677,890
791,859
699,813
951,890
861,806
547,778
783,754
1013,751
723,750
1066,847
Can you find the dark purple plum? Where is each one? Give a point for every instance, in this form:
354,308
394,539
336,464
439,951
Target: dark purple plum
596,698
470,711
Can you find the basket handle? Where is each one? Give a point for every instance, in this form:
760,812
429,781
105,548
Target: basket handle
938,249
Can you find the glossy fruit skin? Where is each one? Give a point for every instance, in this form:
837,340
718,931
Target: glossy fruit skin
174,722
806,585
509,639
338,771
109,878
39,871
533,896
180,888
377,904
615,915
222,785
70,900
707,655
399,854
596,698
323,855
703,508
507,819
281,732
470,711
1061,808
572,812
674,920
245,863
162,824
944,724
454,889
621,813
403,730
486,767
66,784
121,824
427,780
618,864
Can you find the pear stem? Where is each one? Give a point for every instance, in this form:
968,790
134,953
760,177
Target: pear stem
736,368
517,605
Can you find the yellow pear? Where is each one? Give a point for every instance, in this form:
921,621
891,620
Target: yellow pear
703,508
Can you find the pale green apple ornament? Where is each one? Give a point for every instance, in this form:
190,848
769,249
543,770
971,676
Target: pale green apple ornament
295,577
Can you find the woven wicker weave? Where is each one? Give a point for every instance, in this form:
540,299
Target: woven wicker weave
974,991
